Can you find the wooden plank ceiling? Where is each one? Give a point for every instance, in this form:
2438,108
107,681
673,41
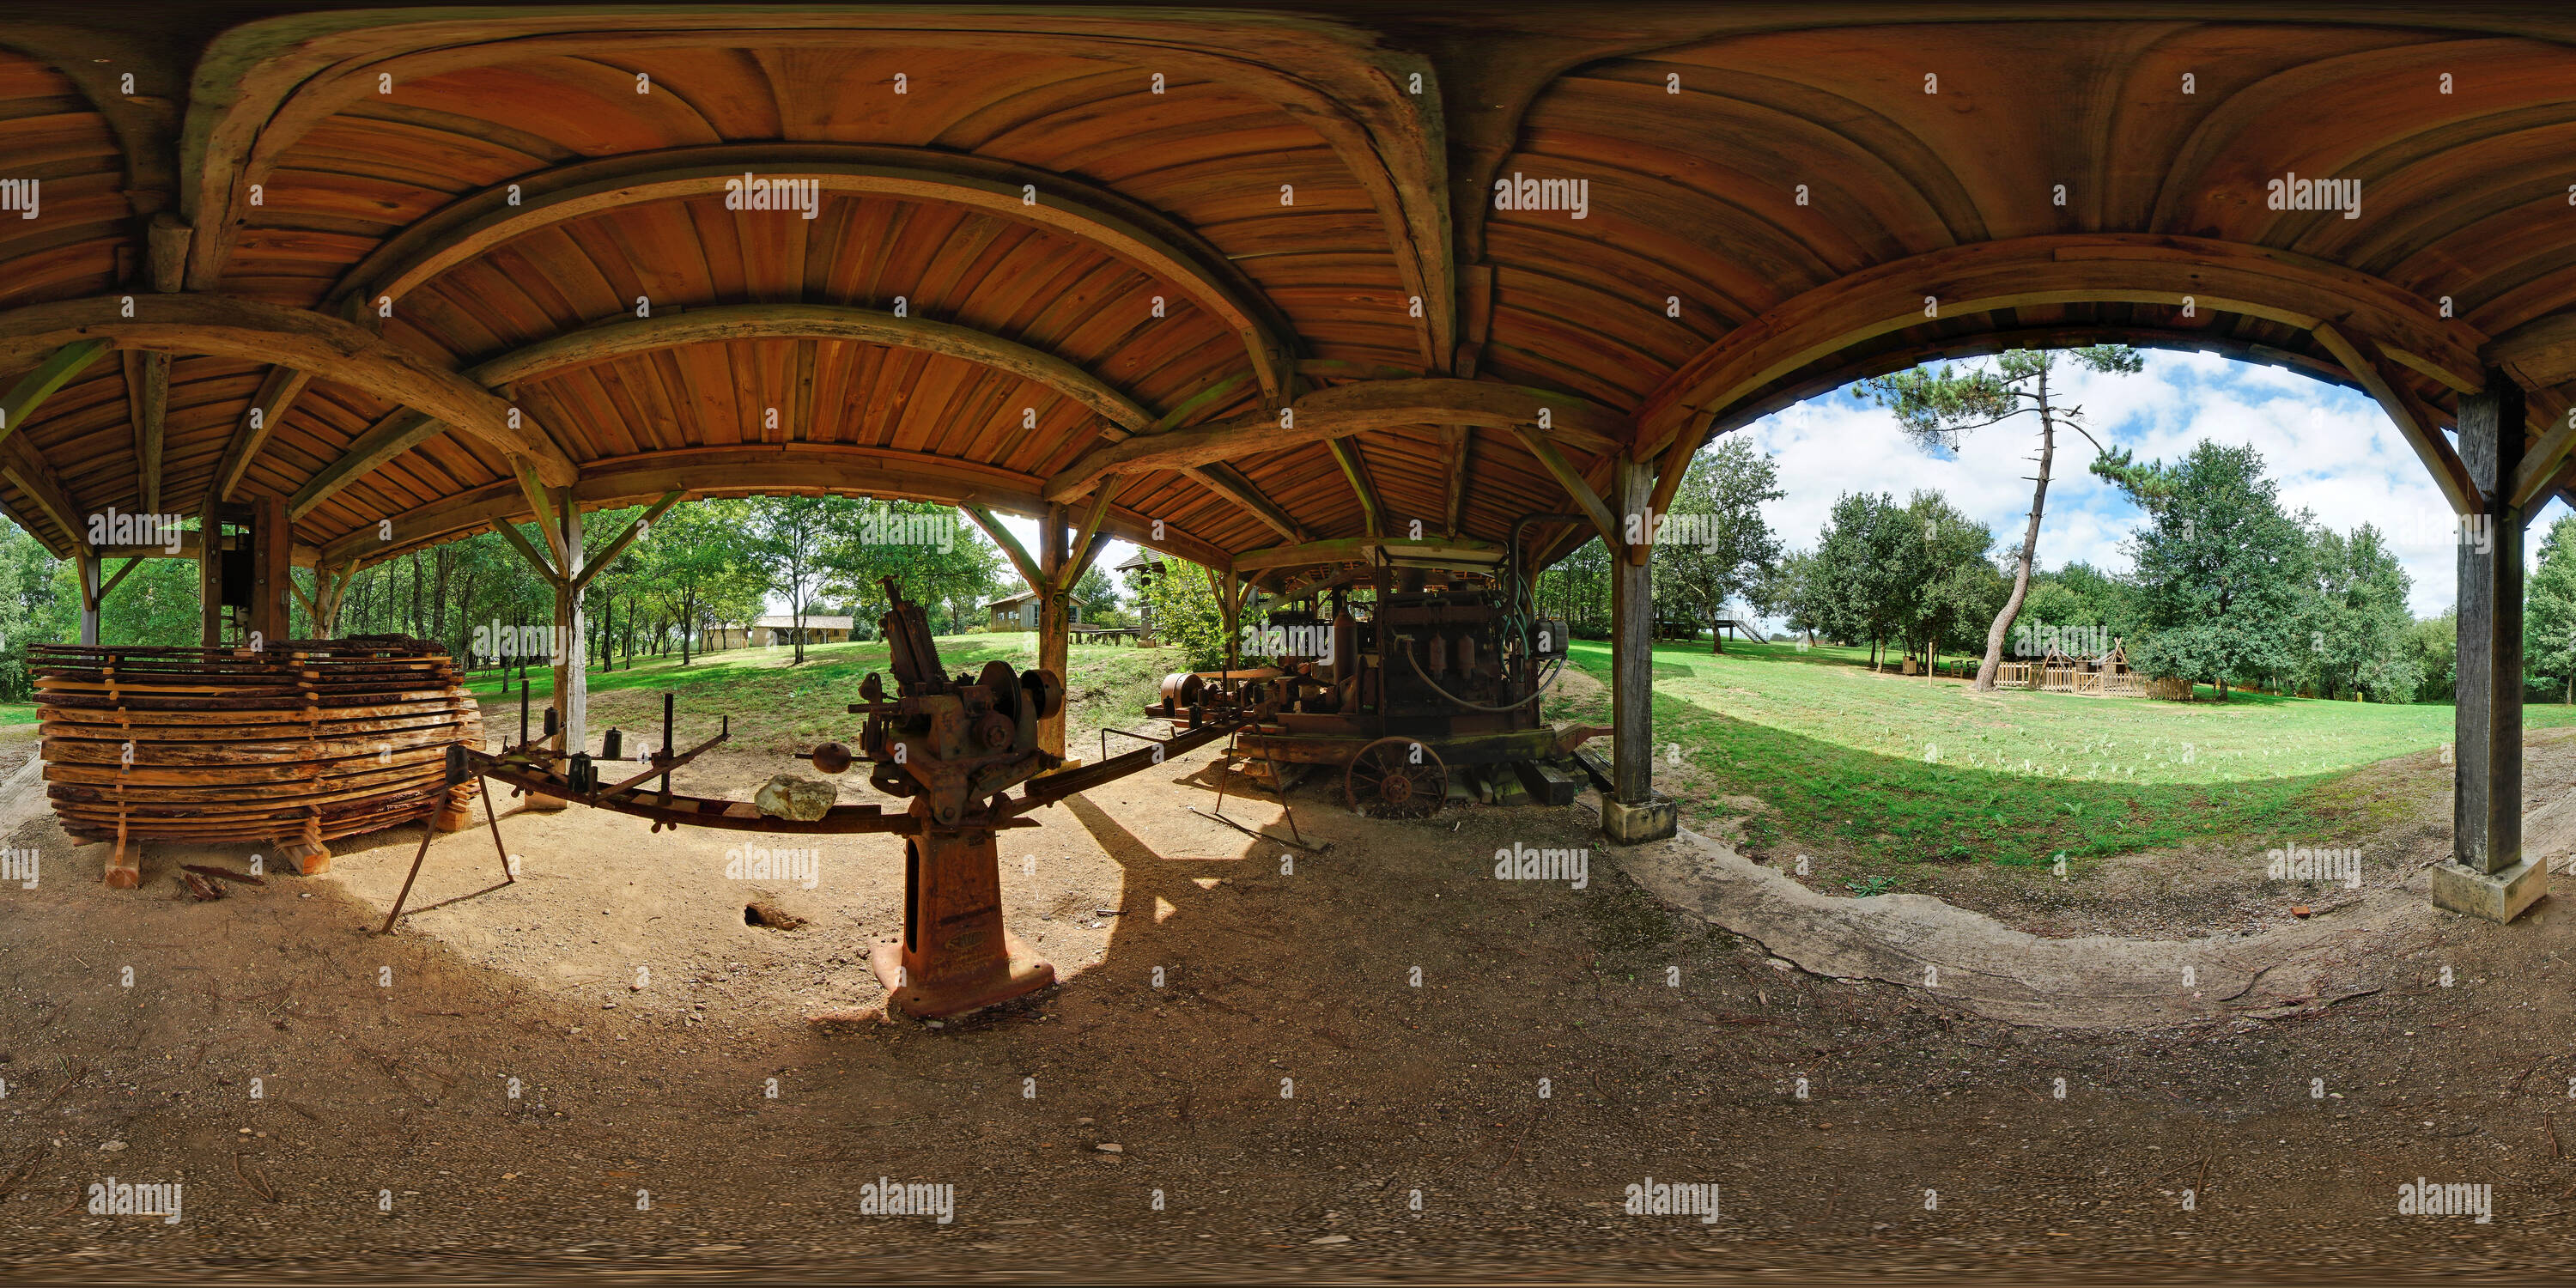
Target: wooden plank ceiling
1102,224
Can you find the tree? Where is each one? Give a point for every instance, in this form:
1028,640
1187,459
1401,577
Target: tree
1934,408
1724,547
2549,609
1186,613
1954,589
1858,586
1095,594
941,563
2432,644
699,567
2219,566
790,539
2357,618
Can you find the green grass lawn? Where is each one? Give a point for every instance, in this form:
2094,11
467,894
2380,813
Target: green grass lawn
17,713
1910,769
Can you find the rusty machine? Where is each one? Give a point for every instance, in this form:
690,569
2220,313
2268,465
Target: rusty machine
1422,685
953,746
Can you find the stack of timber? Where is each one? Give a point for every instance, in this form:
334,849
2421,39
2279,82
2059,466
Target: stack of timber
296,745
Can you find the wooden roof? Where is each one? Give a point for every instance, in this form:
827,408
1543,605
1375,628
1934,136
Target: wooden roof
1243,269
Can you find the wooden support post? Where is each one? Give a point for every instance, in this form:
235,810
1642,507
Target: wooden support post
1054,624
90,594
210,569
1633,813
572,690
272,551
2488,875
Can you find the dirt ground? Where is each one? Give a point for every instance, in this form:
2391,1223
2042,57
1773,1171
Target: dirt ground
1276,1104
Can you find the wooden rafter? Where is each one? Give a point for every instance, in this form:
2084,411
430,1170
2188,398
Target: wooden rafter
1229,482
277,392
1011,547
147,402
1345,410
57,369
320,346
1162,247
1355,472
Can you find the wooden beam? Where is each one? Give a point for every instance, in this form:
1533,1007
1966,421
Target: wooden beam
399,431
1344,410
110,587
839,469
608,553
726,322
1461,450
1351,549
1989,276
1575,485
542,507
32,389
277,392
1229,482
1080,561
2420,433
26,467
1355,472
147,403
519,541
1165,249
1011,547
325,348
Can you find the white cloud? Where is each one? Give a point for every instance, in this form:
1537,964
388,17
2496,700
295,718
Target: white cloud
2332,451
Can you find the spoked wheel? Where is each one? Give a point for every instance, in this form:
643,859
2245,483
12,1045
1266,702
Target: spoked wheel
1396,778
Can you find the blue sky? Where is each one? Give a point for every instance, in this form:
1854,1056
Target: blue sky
2331,450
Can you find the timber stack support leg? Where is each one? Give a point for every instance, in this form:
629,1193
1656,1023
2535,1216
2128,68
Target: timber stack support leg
2488,875
1632,813
311,857
125,863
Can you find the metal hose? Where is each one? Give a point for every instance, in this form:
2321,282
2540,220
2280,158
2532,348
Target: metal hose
1535,694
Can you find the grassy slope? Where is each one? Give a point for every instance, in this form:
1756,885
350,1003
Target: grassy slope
1908,769
777,706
